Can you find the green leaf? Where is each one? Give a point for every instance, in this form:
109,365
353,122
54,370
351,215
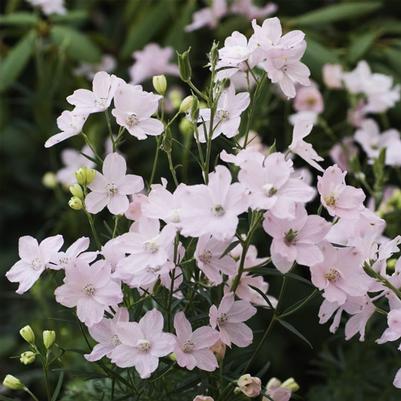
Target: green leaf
144,30
77,45
19,18
16,60
72,16
360,45
336,12
229,248
293,330
58,387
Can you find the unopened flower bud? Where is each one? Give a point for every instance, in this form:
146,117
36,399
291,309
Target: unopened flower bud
186,104
27,334
184,65
172,357
249,385
85,175
160,84
186,127
291,384
49,180
273,383
27,357
203,398
175,97
219,350
49,338
75,203
13,383
76,190
391,263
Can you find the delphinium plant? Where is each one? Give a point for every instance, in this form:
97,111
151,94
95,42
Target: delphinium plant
166,285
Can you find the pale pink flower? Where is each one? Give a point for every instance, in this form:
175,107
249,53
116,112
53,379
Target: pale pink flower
99,98
326,312
152,60
91,289
276,392
397,379
192,348
309,98
303,128
249,154
105,334
229,318
297,239
70,124
134,211
271,185
35,258
310,116
251,11
393,331
203,398
112,187
332,75
338,198
208,16
50,7
214,208
112,253
361,310
107,63
73,255
249,385
340,274
142,344
343,152
372,141
227,119
133,109
209,259
73,160
356,114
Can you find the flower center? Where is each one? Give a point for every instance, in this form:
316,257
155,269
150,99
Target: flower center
332,275
310,101
206,257
218,210
89,290
151,246
222,319
143,345
132,120
101,102
64,260
188,346
111,189
330,200
115,340
36,264
269,190
175,216
223,115
290,237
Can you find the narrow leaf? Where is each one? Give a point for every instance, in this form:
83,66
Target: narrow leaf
293,330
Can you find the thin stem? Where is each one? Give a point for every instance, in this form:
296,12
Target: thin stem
155,161
93,229
26,389
172,169
89,143
116,218
303,303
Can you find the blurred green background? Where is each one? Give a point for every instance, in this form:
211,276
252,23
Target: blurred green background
38,59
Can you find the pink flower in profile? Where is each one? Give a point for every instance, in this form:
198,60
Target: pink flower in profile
70,123
296,239
35,258
393,331
209,259
340,274
133,110
105,334
112,187
152,60
134,211
192,348
208,16
303,128
276,392
250,11
91,289
332,75
338,198
214,208
99,98
342,153
309,98
228,115
142,344
229,318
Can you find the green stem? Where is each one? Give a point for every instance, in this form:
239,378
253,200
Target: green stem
155,161
172,169
302,304
26,389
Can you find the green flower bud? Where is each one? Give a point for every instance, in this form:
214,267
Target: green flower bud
49,338
76,190
49,180
172,357
160,84
27,334
186,104
75,203
13,383
291,384
175,97
184,65
85,175
186,127
27,357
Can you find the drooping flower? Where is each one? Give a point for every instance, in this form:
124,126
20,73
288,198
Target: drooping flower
229,318
112,187
90,289
150,61
209,259
35,258
208,16
296,239
133,110
142,344
338,198
249,385
309,98
214,208
70,124
99,98
393,331
227,118
192,348
105,334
